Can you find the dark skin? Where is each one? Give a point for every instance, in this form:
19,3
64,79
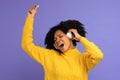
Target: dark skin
32,12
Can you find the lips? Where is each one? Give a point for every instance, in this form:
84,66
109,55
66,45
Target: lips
60,44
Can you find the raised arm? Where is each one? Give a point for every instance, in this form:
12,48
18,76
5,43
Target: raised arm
93,54
36,52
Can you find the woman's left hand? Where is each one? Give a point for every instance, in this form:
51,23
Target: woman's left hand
77,35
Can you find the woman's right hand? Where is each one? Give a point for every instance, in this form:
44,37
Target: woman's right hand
32,11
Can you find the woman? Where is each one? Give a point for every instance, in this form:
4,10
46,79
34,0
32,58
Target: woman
61,59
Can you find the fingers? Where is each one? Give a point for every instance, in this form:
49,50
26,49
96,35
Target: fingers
76,34
73,31
33,8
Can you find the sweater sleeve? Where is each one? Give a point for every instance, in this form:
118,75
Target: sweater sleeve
36,52
93,54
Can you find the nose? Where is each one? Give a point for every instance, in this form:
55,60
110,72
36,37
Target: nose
56,43
57,40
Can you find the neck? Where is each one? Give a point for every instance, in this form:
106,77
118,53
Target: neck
71,47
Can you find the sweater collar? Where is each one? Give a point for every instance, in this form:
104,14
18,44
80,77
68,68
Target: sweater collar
74,51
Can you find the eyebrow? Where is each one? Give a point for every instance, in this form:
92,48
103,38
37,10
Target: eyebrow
58,35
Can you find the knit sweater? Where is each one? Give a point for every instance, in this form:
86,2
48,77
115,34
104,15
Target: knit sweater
71,65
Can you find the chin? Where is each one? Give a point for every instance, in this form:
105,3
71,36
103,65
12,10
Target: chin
63,50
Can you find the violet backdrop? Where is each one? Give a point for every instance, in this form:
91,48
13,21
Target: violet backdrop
100,17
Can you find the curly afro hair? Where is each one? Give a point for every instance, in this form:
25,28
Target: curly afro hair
64,26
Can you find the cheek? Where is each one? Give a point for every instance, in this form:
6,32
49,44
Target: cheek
67,40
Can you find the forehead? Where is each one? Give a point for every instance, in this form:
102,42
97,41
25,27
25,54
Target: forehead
58,32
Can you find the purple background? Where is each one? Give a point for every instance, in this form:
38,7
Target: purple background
101,19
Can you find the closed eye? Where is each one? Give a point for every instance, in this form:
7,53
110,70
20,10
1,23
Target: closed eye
59,36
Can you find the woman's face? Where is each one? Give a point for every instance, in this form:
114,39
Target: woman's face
62,42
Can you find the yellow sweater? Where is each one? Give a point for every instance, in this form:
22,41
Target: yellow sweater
72,65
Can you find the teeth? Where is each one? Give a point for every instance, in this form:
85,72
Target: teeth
60,43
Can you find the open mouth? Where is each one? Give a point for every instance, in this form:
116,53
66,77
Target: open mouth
61,44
